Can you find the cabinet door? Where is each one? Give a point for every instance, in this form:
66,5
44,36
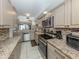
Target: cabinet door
67,12
51,52
36,38
75,12
0,12
59,17
59,55
8,13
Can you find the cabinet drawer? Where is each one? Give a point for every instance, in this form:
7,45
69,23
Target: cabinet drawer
54,53
59,55
51,52
51,47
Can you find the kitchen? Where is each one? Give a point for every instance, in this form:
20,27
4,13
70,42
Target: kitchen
37,29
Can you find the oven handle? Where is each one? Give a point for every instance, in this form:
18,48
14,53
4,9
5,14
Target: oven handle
43,42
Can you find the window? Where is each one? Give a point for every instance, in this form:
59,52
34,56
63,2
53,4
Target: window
24,27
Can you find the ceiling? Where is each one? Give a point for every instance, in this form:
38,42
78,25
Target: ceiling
34,7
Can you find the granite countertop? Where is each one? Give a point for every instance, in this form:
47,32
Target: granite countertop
64,48
7,47
38,33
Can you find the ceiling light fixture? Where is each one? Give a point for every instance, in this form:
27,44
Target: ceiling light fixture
45,12
27,14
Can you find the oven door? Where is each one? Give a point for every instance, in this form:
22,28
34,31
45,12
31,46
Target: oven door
43,47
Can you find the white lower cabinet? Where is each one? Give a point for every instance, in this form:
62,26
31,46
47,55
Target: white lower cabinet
54,53
16,53
59,55
36,37
51,52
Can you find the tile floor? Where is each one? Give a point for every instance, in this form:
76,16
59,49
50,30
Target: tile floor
29,52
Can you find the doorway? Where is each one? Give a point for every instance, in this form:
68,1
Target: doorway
25,29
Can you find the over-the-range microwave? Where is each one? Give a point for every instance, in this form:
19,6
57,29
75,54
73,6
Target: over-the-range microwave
49,22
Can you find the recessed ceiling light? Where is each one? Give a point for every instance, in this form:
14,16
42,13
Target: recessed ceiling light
45,12
27,14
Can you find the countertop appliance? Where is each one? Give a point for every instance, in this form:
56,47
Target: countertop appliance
42,43
45,23
49,22
73,41
59,34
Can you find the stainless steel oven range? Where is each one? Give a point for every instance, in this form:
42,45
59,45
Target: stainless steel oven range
42,44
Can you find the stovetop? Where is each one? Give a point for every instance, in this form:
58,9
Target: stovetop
46,37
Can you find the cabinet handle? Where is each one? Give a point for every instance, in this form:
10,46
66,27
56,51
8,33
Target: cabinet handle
60,54
67,26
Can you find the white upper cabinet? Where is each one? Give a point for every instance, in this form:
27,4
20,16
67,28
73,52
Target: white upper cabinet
67,12
8,15
67,15
59,20
71,13
0,11
75,14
